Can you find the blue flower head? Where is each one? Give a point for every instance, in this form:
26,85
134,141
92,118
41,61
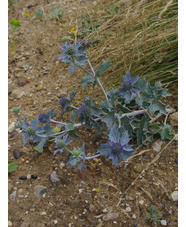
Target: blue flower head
84,112
64,102
31,131
61,144
43,118
117,148
129,88
71,51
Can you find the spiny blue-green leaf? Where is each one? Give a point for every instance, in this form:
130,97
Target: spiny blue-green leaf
155,128
109,118
158,106
12,167
66,60
42,143
73,116
81,60
165,132
73,134
112,94
102,68
38,149
87,80
82,165
69,127
72,69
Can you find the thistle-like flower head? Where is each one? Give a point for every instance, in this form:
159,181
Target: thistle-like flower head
64,101
31,131
61,144
43,118
117,148
71,51
129,88
84,112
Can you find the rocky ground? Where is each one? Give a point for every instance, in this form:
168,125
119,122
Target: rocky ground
42,190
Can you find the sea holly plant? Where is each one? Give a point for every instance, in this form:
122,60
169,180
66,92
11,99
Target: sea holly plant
126,116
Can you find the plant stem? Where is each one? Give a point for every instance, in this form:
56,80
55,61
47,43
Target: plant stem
103,92
74,107
67,149
134,113
91,67
99,84
58,122
95,156
85,70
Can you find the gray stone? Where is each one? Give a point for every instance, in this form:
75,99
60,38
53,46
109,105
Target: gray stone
10,223
129,198
28,176
110,216
91,208
174,196
22,82
11,127
174,119
13,195
76,202
128,209
10,186
53,177
17,94
25,224
55,222
134,216
43,213
138,168
61,165
141,202
163,222
39,190
156,146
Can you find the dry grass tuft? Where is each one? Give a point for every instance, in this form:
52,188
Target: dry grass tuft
142,37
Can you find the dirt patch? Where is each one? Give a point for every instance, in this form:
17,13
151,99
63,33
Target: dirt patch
36,81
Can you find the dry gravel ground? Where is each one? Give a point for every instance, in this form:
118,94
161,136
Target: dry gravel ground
101,195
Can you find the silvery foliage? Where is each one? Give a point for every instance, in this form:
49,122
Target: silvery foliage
127,113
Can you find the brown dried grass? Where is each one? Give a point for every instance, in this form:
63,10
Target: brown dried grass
142,38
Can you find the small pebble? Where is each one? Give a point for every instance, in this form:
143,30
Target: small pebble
9,223
134,216
43,213
128,209
16,154
12,135
55,222
11,127
53,177
174,196
23,178
138,168
110,216
61,165
28,176
141,202
163,222
33,177
39,190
